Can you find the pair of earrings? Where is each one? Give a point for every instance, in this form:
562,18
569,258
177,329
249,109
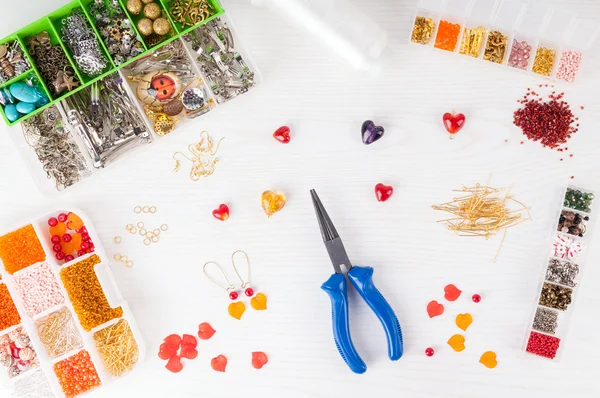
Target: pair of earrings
237,308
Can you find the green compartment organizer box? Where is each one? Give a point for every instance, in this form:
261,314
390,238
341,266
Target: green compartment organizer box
52,24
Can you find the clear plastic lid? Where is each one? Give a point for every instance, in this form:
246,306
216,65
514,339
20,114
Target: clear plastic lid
431,5
508,14
558,23
482,10
583,34
533,19
457,8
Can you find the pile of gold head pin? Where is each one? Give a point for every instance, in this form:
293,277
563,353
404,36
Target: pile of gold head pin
483,212
202,156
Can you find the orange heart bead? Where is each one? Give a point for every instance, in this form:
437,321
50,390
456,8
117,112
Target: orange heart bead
457,342
236,310
272,202
259,302
488,359
463,321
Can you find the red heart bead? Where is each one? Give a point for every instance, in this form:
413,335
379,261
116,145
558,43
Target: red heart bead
454,122
221,213
219,363
435,309
383,192
451,292
282,134
259,359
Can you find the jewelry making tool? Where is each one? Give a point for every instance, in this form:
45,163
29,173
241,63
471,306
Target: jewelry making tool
361,279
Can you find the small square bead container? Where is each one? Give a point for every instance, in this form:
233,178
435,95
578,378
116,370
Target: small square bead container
502,32
89,162
555,37
451,24
427,15
72,314
562,275
581,37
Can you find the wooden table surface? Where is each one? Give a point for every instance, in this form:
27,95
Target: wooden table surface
414,257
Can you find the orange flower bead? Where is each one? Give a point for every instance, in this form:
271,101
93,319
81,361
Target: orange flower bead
447,36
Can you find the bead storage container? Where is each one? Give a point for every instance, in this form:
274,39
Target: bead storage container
87,130
562,274
527,37
67,324
83,39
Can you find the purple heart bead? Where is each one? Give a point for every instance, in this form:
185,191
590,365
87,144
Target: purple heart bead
371,132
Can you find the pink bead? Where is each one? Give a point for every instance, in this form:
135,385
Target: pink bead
85,245
55,239
85,236
62,217
38,289
67,238
81,252
249,292
52,221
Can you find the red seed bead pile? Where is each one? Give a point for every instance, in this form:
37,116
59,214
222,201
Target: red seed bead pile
551,122
20,249
543,345
77,374
69,237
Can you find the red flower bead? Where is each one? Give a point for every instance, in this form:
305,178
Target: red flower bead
55,239
69,257
233,295
60,256
62,217
249,292
67,238
52,221
57,247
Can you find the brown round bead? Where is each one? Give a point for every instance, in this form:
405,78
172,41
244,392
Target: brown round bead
152,11
134,6
161,26
145,27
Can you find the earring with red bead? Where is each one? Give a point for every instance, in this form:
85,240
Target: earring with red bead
235,309
259,302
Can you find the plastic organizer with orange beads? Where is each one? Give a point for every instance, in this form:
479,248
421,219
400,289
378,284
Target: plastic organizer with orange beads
65,329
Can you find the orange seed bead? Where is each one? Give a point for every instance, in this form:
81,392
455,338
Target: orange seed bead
20,249
447,36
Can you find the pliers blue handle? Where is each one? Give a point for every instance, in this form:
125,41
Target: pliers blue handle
362,279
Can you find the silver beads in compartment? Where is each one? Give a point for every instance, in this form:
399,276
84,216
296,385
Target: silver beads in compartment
81,40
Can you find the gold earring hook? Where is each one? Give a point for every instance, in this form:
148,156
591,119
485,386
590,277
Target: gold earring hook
229,288
247,283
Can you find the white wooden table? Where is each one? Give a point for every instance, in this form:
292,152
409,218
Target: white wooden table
413,256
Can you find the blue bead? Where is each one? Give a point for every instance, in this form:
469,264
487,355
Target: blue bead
25,107
11,112
23,92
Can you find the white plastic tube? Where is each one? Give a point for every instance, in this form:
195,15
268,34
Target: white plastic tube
339,26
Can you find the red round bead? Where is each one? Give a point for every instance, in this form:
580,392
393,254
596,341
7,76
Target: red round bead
67,238
55,239
69,257
91,246
85,236
429,352
81,252
62,217
52,221
60,256
476,298
249,292
233,295
85,245
57,247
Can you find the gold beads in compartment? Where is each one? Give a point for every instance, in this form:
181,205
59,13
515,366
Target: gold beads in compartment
153,25
144,26
152,11
495,49
422,30
134,7
161,26
544,61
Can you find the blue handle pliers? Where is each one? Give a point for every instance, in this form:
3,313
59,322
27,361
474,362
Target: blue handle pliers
362,279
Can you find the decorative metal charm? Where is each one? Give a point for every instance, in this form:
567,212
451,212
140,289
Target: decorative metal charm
81,40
